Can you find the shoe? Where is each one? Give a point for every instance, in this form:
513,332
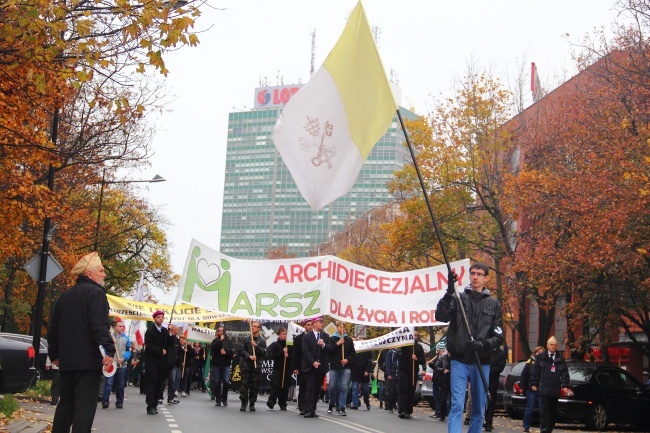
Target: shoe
441,419
104,405
467,421
155,410
151,411
354,407
212,398
402,415
342,412
54,403
218,403
381,405
174,401
368,406
183,394
283,408
487,427
311,415
408,416
160,401
225,402
391,411
270,405
251,407
243,407
526,430
302,413
119,405
330,410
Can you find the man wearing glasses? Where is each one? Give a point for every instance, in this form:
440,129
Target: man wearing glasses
484,317
250,364
550,373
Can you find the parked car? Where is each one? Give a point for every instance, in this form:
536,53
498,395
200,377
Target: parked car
426,388
16,366
597,396
41,371
512,377
501,389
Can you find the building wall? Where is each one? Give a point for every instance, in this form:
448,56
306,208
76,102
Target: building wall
263,208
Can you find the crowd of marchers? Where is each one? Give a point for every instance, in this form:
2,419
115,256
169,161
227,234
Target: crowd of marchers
326,368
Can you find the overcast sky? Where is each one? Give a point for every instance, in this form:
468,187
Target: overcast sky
428,44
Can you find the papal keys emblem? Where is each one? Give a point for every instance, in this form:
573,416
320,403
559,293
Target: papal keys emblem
317,136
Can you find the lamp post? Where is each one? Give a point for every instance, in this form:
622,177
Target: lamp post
156,179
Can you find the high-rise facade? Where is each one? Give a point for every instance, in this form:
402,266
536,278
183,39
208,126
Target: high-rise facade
262,207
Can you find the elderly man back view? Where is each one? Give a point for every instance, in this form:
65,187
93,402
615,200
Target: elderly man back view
78,326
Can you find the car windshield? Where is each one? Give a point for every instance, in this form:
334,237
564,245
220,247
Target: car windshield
581,372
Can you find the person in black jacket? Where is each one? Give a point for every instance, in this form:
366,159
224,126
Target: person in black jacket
342,358
156,343
282,356
187,365
410,360
78,326
250,364
221,354
440,367
392,377
532,397
315,346
497,364
550,374
484,317
174,362
297,362
360,378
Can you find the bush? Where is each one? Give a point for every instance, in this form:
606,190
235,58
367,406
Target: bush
41,389
8,405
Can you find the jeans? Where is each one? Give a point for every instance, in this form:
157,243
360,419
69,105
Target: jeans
391,393
220,383
532,398
363,387
171,383
380,391
460,373
116,380
339,380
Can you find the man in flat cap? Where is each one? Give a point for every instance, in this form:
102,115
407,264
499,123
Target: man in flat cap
156,340
78,326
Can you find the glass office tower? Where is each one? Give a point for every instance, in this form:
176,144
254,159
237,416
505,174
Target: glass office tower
262,207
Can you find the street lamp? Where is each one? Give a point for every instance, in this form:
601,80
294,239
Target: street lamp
157,178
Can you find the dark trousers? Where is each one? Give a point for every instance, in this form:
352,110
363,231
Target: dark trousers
186,379
55,388
443,396
250,385
391,393
547,415
313,383
77,401
220,383
279,391
302,391
492,404
406,396
155,374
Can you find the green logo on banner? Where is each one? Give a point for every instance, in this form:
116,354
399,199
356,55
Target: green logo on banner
209,277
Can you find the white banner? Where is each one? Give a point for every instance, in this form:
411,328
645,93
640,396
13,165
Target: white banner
198,333
293,289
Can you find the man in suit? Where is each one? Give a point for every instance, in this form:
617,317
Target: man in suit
155,355
297,365
550,374
315,347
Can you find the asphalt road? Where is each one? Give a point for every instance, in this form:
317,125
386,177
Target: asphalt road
197,413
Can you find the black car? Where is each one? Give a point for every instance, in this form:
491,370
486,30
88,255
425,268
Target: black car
41,371
16,366
597,395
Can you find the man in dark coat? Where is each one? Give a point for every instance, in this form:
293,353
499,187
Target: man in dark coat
221,354
282,356
78,326
411,357
497,364
550,374
250,364
315,346
297,363
155,356
360,378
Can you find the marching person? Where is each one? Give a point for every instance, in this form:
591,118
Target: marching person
155,357
78,326
187,366
282,356
315,346
550,374
411,357
360,378
342,357
484,320
297,363
221,354
497,364
532,397
250,363
122,355
440,366
392,377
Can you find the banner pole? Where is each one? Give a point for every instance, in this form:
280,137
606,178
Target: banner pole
444,252
250,323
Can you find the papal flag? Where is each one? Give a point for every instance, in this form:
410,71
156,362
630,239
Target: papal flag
329,127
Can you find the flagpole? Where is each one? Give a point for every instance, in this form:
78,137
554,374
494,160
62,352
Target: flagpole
250,323
444,253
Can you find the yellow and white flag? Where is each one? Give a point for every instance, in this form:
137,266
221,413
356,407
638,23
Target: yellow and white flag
328,128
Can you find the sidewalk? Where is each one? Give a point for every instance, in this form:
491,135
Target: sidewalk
36,418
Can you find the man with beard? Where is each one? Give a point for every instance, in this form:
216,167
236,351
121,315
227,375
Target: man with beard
281,354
